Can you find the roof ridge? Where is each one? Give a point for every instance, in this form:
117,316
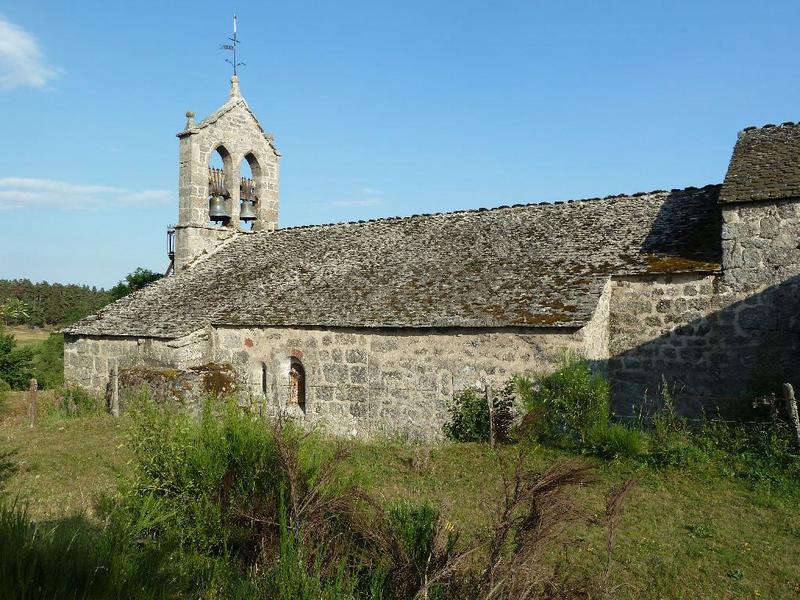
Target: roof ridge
690,188
769,126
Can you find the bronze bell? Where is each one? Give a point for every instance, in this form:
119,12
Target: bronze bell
248,211
218,210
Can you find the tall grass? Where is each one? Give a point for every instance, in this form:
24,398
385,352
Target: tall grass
69,559
233,506
262,499
241,495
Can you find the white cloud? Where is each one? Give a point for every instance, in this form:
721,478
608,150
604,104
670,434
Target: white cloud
364,202
20,192
22,63
145,197
370,197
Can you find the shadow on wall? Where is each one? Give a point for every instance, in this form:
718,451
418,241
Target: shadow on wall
687,228
715,363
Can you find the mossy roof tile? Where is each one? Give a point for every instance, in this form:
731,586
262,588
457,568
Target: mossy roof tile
535,265
765,165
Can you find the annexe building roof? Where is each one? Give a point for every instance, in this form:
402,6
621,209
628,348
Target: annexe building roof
535,265
765,165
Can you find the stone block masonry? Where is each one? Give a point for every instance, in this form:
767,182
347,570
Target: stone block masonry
367,383
88,360
658,326
715,339
358,382
235,133
760,245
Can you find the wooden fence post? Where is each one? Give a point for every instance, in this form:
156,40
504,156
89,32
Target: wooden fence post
490,403
32,407
114,391
791,409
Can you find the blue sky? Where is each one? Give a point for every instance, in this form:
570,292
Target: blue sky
379,109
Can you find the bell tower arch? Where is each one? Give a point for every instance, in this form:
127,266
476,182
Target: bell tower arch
214,203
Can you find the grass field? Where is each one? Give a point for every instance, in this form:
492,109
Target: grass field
685,533
27,336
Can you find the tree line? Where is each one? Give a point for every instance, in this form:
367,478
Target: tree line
42,304
46,303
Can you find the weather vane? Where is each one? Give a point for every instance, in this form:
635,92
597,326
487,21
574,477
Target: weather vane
232,48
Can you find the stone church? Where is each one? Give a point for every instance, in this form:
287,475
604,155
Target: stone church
372,326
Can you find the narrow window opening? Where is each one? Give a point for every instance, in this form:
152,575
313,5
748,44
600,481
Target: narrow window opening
250,172
297,384
219,210
264,378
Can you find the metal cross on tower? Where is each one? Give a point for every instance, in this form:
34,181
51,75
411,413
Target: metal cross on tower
232,49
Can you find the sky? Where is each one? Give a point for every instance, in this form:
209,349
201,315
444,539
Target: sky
378,108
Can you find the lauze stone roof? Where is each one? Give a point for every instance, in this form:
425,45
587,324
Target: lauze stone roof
765,165
538,265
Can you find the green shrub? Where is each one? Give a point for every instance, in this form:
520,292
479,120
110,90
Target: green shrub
5,388
571,401
424,545
203,472
85,402
615,440
415,526
243,496
294,577
48,362
675,451
16,367
469,416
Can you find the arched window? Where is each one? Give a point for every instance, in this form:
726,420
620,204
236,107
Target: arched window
250,172
264,378
219,209
297,384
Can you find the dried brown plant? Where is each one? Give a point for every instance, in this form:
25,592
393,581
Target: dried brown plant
534,510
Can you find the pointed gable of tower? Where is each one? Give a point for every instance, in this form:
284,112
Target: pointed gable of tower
215,205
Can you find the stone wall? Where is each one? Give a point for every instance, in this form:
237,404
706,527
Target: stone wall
193,243
716,340
358,382
659,327
595,334
760,245
88,360
168,386
760,288
367,382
